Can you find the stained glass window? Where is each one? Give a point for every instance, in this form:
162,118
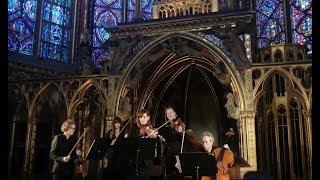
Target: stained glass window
301,22
21,25
56,29
270,22
147,9
107,13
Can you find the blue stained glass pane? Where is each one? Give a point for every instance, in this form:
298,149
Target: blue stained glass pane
270,22
44,50
55,52
100,54
68,3
57,14
14,15
26,46
65,54
66,38
305,27
303,4
131,4
301,22
102,34
146,4
12,42
67,19
46,32
268,6
56,34
30,7
106,19
21,24
108,2
107,13
13,5
130,16
47,11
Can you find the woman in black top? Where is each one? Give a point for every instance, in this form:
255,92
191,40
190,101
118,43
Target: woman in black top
61,145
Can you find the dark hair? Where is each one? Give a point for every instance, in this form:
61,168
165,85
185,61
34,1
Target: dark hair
142,112
116,120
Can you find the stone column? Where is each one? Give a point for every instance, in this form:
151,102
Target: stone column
248,138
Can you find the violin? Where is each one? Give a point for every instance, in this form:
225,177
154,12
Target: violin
81,167
148,131
177,125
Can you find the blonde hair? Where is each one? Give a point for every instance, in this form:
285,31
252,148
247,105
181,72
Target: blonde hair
66,124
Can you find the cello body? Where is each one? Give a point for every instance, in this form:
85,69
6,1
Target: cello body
225,159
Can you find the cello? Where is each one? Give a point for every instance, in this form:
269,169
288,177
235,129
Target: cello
225,159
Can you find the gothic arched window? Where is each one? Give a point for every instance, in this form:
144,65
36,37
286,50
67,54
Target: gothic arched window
301,22
21,25
270,23
107,13
56,29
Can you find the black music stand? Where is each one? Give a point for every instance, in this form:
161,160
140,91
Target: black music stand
198,164
98,149
137,149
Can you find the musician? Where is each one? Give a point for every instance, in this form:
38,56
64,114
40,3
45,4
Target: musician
232,141
60,152
144,129
184,141
117,167
113,135
224,157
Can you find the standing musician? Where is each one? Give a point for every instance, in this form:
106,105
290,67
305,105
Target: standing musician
62,153
144,129
224,157
113,135
116,166
180,144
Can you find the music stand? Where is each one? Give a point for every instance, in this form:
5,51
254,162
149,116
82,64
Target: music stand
137,149
198,164
98,149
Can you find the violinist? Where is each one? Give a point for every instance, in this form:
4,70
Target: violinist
112,135
61,145
116,167
144,129
173,147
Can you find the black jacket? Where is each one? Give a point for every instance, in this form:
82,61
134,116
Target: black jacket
61,147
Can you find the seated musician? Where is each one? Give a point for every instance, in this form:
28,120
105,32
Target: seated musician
224,157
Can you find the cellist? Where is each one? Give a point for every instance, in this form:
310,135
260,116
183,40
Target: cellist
224,157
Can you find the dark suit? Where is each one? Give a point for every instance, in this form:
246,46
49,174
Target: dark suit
61,147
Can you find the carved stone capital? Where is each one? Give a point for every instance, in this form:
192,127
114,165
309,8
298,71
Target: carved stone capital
247,114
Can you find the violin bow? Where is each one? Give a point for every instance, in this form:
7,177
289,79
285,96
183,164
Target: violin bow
124,126
82,135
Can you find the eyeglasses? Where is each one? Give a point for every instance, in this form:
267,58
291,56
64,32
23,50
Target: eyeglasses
71,128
